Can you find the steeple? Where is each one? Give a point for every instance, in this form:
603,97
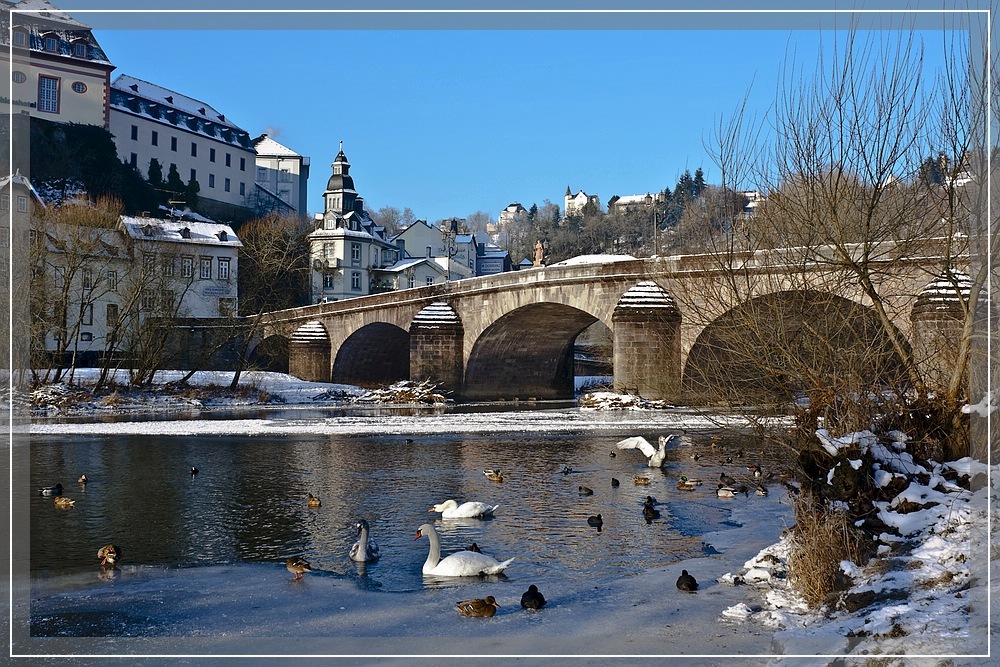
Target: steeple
340,194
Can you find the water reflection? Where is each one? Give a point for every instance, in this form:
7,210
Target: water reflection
248,502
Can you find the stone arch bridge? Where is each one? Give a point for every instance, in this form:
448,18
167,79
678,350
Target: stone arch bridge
512,335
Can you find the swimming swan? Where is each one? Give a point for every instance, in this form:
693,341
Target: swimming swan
459,564
364,550
471,510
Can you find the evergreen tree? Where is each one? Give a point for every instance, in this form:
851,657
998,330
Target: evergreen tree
191,193
155,173
174,183
699,183
532,214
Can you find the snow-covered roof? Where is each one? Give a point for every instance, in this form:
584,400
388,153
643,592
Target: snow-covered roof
404,264
180,231
162,105
265,145
17,178
38,18
47,10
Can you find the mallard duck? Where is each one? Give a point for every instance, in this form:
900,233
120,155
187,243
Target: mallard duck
687,484
532,598
596,521
297,565
612,455
459,564
726,479
566,470
473,509
686,582
63,502
755,471
109,554
585,490
364,550
478,606
313,501
641,481
494,475
51,490
649,513
761,490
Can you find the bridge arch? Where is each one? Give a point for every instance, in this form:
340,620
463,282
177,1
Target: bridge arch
377,353
271,354
526,353
777,345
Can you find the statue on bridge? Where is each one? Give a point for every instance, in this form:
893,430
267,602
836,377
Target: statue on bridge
539,254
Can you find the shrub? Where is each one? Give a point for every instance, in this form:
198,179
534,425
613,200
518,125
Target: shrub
823,537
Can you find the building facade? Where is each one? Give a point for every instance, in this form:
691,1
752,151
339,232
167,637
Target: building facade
282,174
573,203
348,252
59,71
149,121
452,249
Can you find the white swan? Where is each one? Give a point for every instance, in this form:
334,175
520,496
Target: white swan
471,510
459,564
364,550
656,456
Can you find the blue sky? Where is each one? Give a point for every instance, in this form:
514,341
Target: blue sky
449,122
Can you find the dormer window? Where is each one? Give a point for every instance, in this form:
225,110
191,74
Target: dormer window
20,38
147,230
80,49
50,43
223,236
185,233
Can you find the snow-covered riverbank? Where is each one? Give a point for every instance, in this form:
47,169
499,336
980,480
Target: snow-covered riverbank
927,595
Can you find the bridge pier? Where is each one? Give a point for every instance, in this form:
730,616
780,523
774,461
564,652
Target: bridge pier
938,318
647,343
309,354
436,340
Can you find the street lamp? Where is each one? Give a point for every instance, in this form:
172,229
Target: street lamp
448,234
651,206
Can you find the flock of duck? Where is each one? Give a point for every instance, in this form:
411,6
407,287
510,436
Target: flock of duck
471,562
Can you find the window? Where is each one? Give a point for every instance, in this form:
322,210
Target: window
20,38
355,253
261,174
194,175
243,164
86,336
135,133
5,204
18,77
329,250
168,266
50,43
206,268
88,279
22,204
211,180
187,267
86,314
227,186
79,87
173,144
328,278
80,49
111,315
223,268
113,281
243,188
285,176
194,149
155,138
48,93
133,160
356,281
148,300
211,155
148,263
430,280
229,159
167,300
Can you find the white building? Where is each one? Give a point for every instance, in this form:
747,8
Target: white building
149,121
574,204
348,251
512,218
642,202
282,175
59,72
452,249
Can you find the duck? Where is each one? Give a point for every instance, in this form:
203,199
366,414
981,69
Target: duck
612,455
641,481
649,513
656,457
532,598
63,502
83,479
756,471
459,564
51,490
298,566
650,500
761,490
194,471
686,582
615,482
474,547
109,554
596,521
726,479
364,550
450,509
494,475
313,501
724,491
478,607
566,470
585,490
